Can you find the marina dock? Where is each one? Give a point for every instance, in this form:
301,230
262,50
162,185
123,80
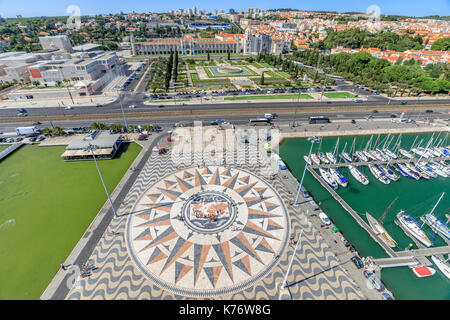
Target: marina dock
396,258
10,150
366,163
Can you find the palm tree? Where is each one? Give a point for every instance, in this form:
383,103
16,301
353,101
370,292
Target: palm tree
47,131
58,131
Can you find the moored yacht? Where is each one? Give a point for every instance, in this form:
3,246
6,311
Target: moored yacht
405,153
358,175
379,174
328,178
323,158
378,228
406,172
437,224
361,156
307,160
390,153
389,173
413,228
444,267
331,157
315,158
338,177
414,169
346,156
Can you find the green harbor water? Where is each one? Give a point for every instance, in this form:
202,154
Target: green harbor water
415,197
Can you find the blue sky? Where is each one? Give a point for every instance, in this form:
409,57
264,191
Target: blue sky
27,8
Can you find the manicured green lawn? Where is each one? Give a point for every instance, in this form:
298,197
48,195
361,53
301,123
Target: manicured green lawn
4,146
275,96
46,205
339,95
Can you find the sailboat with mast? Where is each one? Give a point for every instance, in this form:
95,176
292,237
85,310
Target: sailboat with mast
436,223
344,155
331,155
377,227
413,227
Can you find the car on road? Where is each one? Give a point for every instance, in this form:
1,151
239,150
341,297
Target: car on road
428,111
161,106
22,110
375,111
403,103
213,123
98,105
357,100
353,121
19,139
132,106
370,116
68,108
35,123
220,121
22,114
40,138
358,263
393,116
387,296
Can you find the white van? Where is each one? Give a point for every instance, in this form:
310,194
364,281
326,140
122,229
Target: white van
324,218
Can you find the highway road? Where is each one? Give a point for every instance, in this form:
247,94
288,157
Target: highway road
137,100
238,119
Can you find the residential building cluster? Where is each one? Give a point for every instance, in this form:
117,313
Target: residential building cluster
424,56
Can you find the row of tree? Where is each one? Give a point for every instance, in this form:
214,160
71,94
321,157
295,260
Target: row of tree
379,74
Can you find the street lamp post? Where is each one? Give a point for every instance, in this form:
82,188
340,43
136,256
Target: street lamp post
312,139
91,148
292,260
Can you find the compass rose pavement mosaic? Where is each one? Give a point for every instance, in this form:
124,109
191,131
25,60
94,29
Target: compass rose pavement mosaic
213,232
207,232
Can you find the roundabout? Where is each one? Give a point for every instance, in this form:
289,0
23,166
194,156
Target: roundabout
204,232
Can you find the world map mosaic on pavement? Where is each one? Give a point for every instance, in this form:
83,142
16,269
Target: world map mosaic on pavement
206,232
215,232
